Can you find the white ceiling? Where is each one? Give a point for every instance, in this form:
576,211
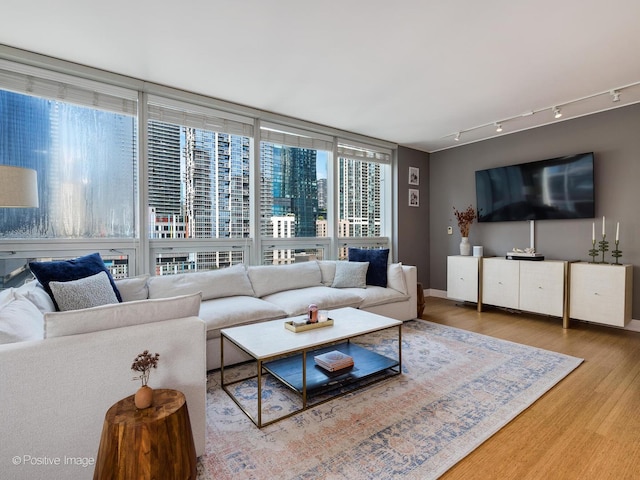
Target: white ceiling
413,72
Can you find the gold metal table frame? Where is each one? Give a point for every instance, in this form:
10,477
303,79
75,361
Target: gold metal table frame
387,369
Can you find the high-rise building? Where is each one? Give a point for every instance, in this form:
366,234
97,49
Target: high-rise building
360,184
164,168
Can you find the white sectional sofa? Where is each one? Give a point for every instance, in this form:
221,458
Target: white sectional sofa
239,296
63,370
55,391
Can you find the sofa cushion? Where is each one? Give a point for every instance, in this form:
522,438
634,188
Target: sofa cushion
35,293
133,288
225,282
373,296
20,320
267,279
396,279
296,302
232,311
106,317
350,274
87,292
377,258
68,270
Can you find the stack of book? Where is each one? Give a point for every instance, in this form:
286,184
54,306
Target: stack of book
334,360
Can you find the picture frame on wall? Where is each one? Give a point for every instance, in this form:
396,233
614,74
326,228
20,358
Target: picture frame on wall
414,176
414,197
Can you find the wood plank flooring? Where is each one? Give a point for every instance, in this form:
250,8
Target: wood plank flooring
586,427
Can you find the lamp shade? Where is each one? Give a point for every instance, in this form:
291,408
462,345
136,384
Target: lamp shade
18,187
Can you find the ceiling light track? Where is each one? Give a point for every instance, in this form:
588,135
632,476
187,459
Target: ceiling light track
556,110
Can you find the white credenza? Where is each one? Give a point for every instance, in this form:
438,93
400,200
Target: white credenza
463,274
601,293
532,286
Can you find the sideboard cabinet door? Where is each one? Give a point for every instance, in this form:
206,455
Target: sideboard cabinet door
601,293
462,278
501,282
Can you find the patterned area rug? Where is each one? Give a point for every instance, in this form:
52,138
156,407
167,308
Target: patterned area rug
457,389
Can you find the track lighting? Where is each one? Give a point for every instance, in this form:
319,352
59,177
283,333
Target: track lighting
614,94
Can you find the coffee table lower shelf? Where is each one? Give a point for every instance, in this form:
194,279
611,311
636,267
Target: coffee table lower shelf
318,380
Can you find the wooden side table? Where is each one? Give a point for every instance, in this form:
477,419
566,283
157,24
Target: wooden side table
155,442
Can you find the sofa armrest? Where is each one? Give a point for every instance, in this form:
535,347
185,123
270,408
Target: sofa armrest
55,392
411,278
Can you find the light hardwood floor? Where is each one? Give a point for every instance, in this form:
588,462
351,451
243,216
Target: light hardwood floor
586,427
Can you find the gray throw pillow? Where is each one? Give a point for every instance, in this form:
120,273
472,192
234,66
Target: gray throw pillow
87,292
350,275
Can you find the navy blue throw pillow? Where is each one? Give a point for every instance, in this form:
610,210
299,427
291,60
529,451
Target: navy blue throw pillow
68,270
377,272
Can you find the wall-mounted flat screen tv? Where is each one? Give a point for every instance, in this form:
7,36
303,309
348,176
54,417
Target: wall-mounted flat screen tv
558,188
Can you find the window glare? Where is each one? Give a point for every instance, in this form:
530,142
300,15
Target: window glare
85,161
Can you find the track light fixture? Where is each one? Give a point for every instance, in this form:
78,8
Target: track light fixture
614,93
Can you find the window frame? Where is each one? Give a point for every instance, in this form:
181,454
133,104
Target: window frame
142,247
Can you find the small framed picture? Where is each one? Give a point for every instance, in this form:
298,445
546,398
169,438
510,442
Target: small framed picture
414,176
414,197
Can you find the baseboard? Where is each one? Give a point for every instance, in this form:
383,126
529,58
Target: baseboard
634,325
432,292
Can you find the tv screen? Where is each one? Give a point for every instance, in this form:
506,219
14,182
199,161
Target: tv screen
558,188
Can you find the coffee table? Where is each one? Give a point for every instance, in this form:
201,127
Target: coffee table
288,357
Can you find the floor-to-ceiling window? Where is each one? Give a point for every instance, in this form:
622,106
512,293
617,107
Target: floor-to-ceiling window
199,174
81,139
294,218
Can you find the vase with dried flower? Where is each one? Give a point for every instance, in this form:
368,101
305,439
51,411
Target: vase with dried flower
465,219
143,363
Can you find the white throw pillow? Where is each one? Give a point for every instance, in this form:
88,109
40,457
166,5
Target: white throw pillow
20,321
225,282
105,317
6,296
267,279
133,288
91,291
350,275
395,278
36,294
328,270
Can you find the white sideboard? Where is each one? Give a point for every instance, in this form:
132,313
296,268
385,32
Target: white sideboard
601,293
532,286
463,274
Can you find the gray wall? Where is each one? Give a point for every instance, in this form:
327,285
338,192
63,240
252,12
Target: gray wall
413,222
614,137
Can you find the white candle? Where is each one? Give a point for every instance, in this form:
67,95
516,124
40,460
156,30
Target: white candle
593,232
603,225
617,231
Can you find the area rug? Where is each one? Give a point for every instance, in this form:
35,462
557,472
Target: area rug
457,389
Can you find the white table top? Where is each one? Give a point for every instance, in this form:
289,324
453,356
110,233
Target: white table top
268,339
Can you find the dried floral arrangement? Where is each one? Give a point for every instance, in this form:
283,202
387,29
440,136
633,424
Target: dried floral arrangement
143,363
465,219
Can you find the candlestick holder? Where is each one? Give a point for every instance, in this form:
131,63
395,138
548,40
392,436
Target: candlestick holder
617,253
604,247
593,253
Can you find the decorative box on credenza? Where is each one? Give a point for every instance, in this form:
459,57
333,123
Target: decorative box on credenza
601,293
